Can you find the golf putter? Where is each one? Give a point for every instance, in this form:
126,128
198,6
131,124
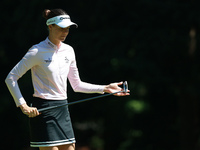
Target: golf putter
125,89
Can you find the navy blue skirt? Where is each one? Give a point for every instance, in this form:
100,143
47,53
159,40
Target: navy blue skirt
52,127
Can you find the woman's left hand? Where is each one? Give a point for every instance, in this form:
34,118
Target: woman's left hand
114,87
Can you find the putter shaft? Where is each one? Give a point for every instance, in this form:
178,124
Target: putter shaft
125,89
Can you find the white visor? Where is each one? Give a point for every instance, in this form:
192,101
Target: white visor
62,21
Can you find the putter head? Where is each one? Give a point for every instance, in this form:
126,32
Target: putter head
125,86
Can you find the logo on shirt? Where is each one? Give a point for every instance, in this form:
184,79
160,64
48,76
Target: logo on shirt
49,60
51,44
66,59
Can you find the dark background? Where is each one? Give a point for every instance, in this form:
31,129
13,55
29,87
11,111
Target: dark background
152,44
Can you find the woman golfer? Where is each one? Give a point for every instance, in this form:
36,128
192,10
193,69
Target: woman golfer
51,63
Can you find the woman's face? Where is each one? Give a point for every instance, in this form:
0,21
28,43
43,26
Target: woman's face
58,33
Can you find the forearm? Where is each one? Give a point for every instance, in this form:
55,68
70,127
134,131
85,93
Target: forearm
88,88
15,91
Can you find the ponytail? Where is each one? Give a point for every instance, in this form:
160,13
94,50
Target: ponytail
47,13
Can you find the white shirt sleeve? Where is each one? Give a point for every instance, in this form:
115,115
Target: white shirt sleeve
80,86
28,61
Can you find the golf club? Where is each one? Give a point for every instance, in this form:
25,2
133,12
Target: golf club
125,89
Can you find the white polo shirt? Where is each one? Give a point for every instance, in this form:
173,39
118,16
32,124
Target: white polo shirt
50,67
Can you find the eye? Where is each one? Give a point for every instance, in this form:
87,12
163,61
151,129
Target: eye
65,29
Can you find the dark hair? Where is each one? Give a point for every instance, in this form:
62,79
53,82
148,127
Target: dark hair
47,13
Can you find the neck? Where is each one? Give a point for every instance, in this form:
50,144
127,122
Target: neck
55,41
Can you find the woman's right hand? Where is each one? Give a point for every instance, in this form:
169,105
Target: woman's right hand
29,111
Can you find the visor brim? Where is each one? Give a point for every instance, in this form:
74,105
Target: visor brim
64,24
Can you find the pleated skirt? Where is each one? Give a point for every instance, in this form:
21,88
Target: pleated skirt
52,127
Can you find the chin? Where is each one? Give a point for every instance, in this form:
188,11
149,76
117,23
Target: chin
62,39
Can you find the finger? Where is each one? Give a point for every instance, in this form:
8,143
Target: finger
35,112
128,91
124,94
31,113
27,113
120,83
119,94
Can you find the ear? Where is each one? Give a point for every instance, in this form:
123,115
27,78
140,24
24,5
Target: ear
50,27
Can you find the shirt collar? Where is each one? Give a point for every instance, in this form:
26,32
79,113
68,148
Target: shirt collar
48,42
